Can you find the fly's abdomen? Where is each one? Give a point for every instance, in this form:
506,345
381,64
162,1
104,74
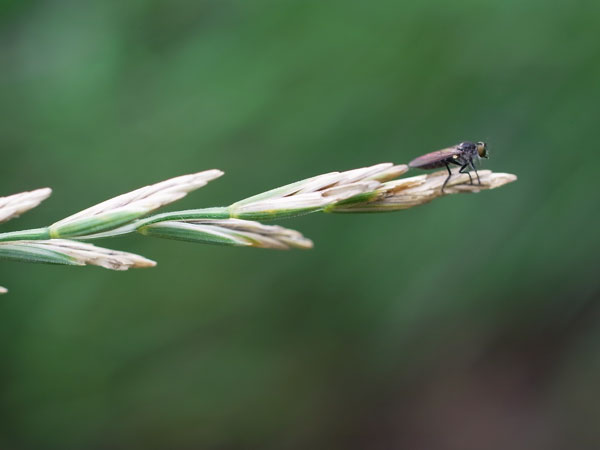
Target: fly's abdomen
437,159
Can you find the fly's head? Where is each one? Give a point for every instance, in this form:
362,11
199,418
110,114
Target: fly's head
482,150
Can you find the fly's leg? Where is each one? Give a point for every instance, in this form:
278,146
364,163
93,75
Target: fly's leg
473,166
462,170
447,179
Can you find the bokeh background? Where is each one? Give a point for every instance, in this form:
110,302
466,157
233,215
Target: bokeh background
469,323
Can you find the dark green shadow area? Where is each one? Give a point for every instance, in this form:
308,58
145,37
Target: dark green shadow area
468,323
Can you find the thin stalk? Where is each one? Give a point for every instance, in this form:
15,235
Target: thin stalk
34,234
205,213
365,190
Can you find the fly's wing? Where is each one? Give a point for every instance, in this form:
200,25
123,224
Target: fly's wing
434,159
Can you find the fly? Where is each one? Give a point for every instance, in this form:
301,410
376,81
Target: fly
461,155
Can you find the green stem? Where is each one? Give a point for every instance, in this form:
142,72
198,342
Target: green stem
35,234
206,213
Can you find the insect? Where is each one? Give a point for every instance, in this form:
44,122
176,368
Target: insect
462,155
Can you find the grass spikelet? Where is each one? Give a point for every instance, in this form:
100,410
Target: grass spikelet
15,205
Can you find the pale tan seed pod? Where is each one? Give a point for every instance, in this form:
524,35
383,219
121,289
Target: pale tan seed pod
15,205
414,191
127,207
234,232
64,251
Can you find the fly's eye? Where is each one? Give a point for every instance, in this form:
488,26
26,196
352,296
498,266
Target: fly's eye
482,149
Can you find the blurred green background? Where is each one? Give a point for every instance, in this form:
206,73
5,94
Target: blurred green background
470,323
